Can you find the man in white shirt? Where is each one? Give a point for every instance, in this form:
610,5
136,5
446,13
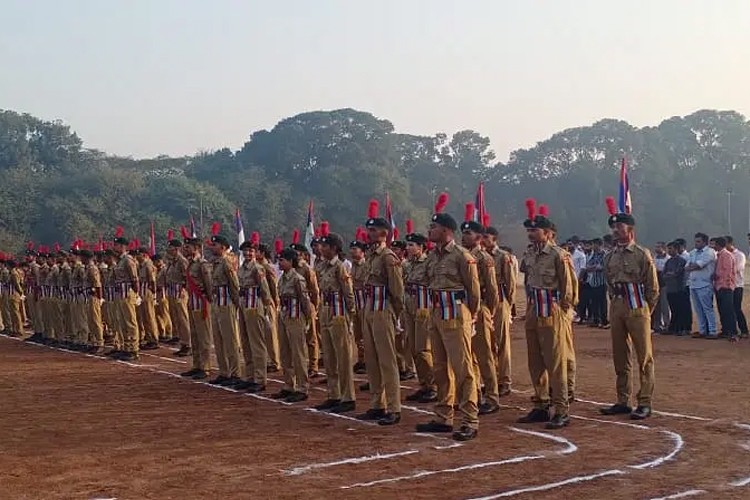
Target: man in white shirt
700,267
739,282
661,316
578,256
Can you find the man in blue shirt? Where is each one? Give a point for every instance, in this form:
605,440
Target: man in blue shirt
700,267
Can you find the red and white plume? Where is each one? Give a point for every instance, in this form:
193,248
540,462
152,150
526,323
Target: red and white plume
170,235
215,228
373,210
486,220
409,226
119,231
469,212
544,210
611,206
184,232
441,203
395,233
278,245
295,237
530,208
255,238
325,228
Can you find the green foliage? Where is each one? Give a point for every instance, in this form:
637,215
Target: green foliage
680,171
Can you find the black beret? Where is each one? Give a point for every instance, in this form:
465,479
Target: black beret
358,244
299,247
398,244
121,241
539,222
174,243
492,231
624,218
156,257
62,253
192,241
473,226
221,240
31,253
417,238
109,252
333,240
446,221
86,253
247,244
288,254
263,248
378,222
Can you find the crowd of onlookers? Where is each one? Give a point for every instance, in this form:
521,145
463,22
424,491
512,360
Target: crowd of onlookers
691,283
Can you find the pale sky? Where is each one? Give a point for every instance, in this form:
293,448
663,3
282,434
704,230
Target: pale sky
148,77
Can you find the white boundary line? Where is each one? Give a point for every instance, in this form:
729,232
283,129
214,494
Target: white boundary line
683,494
550,486
296,471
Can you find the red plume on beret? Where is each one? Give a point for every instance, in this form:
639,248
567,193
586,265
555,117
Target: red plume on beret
215,228
170,235
361,234
441,203
544,210
409,226
255,238
611,208
325,228
373,210
184,232
119,231
30,246
530,208
317,232
430,246
57,247
395,233
295,237
278,245
486,220
469,212
137,243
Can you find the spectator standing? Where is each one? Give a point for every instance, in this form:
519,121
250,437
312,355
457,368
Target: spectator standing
677,296
739,285
701,266
660,315
597,284
725,275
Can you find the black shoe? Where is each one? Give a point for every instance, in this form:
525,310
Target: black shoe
390,419
128,356
414,397
372,414
558,422
220,380
37,337
173,341
244,385
487,408
231,382
365,386
360,368
323,381
313,373
200,375
504,391
465,433
96,350
434,426
272,369
282,394
641,413
111,354
189,373
428,396
255,388
184,352
328,404
536,415
150,346
296,397
616,409
344,407
407,375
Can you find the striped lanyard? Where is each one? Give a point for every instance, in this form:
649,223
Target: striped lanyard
290,305
544,301
250,297
223,297
379,297
448,302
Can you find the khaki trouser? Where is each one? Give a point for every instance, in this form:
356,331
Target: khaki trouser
271,329
31,310
54,321
15,310
454,370
4,319
82,310
111,317
379,334
253,336
359,343
181,320
38,317
226,340
66,323
293,346
94,316
128,322
337,353
570,356
501,341
632,328
403,354
163,320
200,338
147,318
483,356
313,345
546,342
417,331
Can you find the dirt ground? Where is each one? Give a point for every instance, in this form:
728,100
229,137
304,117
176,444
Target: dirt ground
74,426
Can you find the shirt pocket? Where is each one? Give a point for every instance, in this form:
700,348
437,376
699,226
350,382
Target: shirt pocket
630,268
549,278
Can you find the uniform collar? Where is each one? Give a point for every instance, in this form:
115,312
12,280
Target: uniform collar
331,262
448,248
630,247
379,248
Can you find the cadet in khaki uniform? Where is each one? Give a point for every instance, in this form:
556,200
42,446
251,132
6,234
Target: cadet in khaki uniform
33,292
226,303
5,294
255,304
66,298
54,321
481,343
634,290
506,283
357,250
293,318
549,302
199,287
177,293
456,301
307,272
404,358
16,298
335,313
110,296
385,302
263,256
78,309
147,309
416,316
93,297
126,298
163,321
43,296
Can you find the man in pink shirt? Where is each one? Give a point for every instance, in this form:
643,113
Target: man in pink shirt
724,282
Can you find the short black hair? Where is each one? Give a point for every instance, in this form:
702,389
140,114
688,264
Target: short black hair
681,242
720,241
672,244
596,241
730,240
701,236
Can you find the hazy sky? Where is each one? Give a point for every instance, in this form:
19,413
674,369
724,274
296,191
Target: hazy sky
144,77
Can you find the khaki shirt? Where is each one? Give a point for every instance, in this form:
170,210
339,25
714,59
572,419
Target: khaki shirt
384,269
78,276
272,280
16,281
5,278
547,268
292,285
224,274
53,276
335,278
251,275
359,274
93,279
66,276
126,271
33,276
504,274
176,270
147,274
416,271
43,274
453,269
311,279
200,277
487,278
632,264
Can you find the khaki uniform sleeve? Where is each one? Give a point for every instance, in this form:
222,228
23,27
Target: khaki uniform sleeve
205,273
395,282
470,278
273,288
15,281
511,280
95,278
151,276
313,288
347,289
233,282
132,270
650,280
303,296
565,277
265,291
488,284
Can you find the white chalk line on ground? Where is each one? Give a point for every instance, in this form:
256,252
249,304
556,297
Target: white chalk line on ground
745,446
550,486
296,471
679,443
682,494
655,412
